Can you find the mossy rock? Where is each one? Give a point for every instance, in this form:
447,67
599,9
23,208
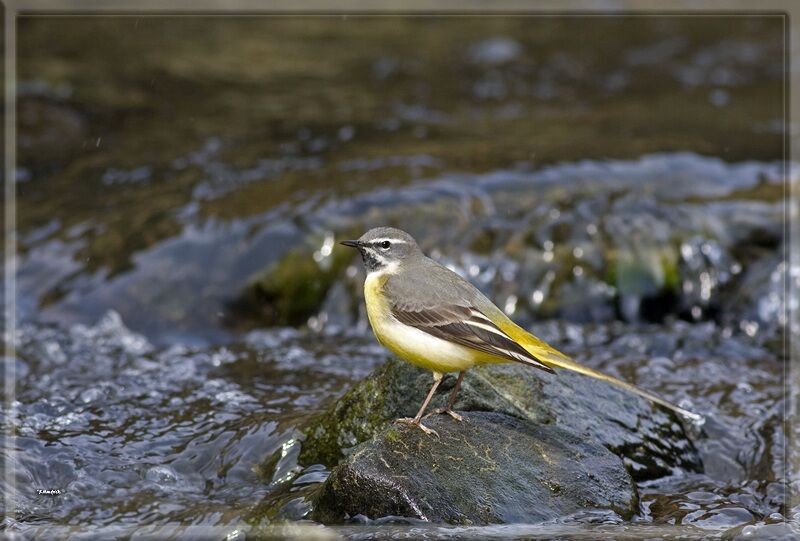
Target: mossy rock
292,289
650,439
492,468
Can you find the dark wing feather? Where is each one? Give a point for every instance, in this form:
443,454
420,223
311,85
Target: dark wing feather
468,327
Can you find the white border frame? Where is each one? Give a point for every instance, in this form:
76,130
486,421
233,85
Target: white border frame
788,9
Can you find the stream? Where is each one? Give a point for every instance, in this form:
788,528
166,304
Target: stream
616,185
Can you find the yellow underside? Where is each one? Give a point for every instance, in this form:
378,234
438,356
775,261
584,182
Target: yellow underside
416,346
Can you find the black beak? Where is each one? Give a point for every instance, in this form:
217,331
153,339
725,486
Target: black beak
351,243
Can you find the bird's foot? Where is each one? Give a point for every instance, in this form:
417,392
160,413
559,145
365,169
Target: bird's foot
448,411
415,422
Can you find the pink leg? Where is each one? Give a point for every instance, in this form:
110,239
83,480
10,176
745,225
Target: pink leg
417,420
449,408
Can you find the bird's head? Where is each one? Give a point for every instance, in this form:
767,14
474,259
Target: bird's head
384,248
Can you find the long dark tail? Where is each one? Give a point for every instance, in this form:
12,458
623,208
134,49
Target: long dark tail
569,364
551,357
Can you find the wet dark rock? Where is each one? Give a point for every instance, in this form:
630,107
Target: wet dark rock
756,306
649,439
493,468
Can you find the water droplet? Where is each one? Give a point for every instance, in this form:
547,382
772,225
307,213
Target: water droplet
162,475
327,245
91,394
511,305
706,284
750,328
727,332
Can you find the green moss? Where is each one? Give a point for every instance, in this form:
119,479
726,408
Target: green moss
354,418
670,270
293,289
507,381
610,277
643,271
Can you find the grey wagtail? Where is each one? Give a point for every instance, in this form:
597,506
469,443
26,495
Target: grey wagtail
431,317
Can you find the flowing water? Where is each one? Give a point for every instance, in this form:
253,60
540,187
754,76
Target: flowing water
615,184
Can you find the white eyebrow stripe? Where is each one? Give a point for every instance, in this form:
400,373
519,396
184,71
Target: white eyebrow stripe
396,241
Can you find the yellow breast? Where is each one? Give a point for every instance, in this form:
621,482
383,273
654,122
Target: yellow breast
377,307
413,345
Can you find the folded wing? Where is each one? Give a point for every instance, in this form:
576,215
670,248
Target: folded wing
466,326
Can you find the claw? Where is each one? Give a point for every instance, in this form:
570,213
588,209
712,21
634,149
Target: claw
454,415
413,422
448,411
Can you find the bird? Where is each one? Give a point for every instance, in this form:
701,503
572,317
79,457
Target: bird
430,316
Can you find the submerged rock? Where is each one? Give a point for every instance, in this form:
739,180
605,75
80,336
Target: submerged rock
493,468
649,439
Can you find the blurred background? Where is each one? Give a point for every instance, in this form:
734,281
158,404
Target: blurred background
615,184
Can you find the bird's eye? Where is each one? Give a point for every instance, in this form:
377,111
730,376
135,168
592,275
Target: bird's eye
385,244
